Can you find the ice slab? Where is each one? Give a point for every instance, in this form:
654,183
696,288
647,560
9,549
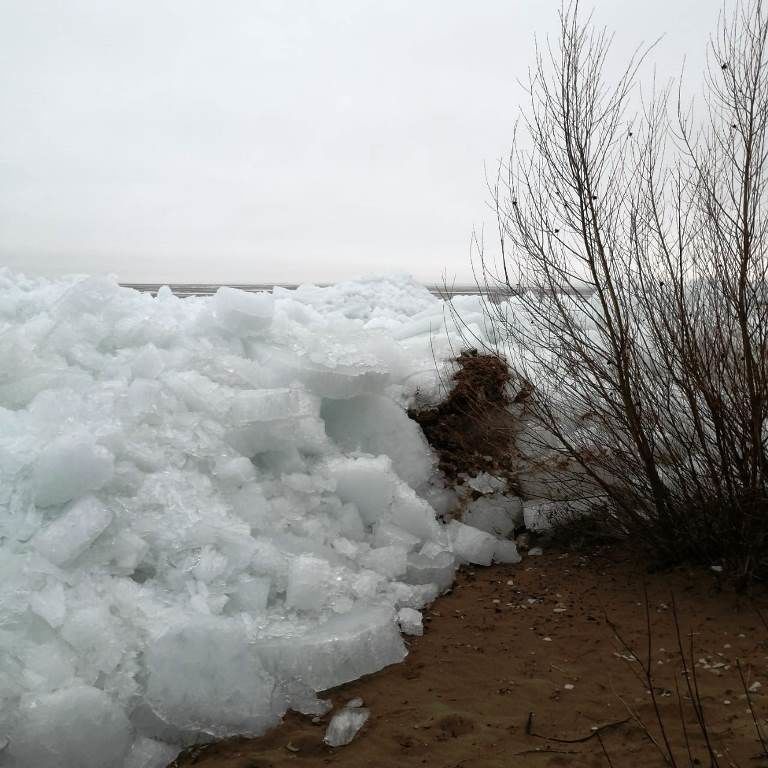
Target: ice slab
342,649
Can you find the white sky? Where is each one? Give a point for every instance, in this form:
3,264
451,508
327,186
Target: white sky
272,140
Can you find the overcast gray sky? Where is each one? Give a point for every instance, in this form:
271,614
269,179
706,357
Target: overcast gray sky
272,140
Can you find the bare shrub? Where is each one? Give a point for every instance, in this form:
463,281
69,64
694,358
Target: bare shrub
633,257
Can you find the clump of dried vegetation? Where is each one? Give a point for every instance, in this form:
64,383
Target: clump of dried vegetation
634,252
471,429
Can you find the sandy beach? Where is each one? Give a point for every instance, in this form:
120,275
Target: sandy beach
534,641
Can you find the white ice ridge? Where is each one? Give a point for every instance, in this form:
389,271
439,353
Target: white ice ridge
210,509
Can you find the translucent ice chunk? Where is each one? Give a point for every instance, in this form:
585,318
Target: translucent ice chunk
69,467
149,753
386,534
472,545
243,312
506,552
410,621
345,724
50,604
437,568
74,727
413,514
366,482
486,483
495,514
388,561
235,472
287,435
375,424
337,651
257,405
67,537
148,363
251,594
308,581
537,514
204,676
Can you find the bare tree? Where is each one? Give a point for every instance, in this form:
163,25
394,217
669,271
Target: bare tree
633,255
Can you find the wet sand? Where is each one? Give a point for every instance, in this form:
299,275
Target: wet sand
519,666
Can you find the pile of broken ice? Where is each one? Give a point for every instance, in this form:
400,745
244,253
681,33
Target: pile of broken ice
211,508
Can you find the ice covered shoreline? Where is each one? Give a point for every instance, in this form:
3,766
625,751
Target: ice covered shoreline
210,508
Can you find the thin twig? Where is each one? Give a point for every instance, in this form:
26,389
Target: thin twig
579,739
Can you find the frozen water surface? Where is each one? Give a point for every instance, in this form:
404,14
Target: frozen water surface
213,508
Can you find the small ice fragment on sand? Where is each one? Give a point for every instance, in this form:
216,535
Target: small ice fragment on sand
345,724
410,621
535,552
506,552
354,703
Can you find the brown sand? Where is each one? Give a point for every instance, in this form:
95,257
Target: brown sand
496,651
